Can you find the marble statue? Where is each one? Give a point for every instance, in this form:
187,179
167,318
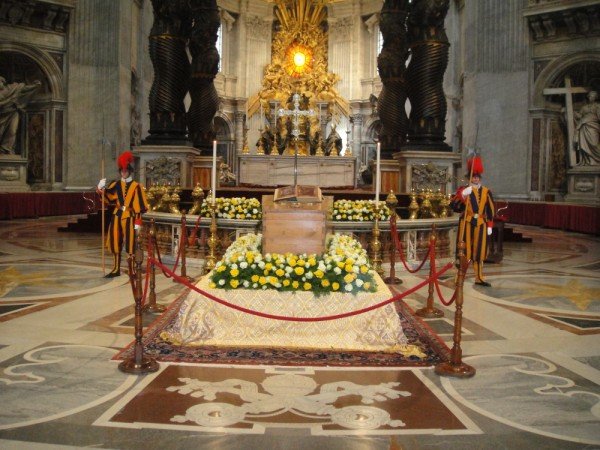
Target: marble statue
587,132
333,144
13,98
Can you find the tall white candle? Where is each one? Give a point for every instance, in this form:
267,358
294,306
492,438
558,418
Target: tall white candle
378,174
214,173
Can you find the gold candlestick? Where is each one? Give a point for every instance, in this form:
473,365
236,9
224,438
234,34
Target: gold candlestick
376,244
413,208
212,241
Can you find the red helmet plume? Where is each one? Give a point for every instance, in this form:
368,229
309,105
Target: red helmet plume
475,165
125,161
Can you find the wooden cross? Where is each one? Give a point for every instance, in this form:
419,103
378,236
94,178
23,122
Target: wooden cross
568,92
295,113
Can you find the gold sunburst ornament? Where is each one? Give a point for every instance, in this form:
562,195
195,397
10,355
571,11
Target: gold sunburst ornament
299,58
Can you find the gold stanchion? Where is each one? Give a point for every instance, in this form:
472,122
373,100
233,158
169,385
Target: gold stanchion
183,240
376,244
211,259
430,311
138,363
152,306
455,367
391,202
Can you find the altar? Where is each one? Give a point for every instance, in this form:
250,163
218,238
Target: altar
278,170
202,321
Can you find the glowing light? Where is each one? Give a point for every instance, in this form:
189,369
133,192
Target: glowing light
299,59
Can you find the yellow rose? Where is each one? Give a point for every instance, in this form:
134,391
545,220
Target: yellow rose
221,269
292,262
335,286
367,286
295,284
301,262
286,282
312,262
348,268
212,285
268,266
234,283
307,286
234,272
349,278
280,272
364,269
262,280
319,273
325,282
299,270
340,264
254,278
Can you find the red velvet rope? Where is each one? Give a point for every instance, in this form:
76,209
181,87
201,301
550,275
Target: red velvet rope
398,244
439,291
196,228
395,298
160,259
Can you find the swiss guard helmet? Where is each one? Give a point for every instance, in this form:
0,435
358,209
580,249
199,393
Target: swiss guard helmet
125,161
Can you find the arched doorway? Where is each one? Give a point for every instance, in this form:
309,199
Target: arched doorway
559,94
39,143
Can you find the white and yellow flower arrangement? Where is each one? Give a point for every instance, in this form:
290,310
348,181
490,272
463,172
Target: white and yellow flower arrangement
344,267
240,208
358,211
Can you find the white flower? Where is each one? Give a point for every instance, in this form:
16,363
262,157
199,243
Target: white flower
359,282
309,275
234,266
337,270
221,282
348,287
254,285
288,269
246,283
261,264
243,265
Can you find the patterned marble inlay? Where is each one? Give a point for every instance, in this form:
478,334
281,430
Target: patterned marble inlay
57,381
541,399
31,281
324,402
548,293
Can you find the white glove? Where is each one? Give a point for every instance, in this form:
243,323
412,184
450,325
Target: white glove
138,226
489,231
102,184
467,191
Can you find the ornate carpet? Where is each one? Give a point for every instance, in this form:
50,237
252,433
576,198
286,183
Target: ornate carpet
417,332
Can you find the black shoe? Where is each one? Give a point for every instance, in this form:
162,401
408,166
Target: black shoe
113,274
483,283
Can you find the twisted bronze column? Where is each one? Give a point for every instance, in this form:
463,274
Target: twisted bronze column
429,49
391,64
168,39
205,66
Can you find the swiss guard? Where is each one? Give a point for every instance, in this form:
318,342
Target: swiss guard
129,201
476,205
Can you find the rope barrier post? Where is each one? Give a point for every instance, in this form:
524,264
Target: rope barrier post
430,311
455,367
138,363
391,201
376,243
182,246
211,259
152,306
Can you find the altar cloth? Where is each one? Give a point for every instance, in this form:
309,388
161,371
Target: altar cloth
201,321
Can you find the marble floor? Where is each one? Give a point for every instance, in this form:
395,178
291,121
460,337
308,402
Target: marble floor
534,338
